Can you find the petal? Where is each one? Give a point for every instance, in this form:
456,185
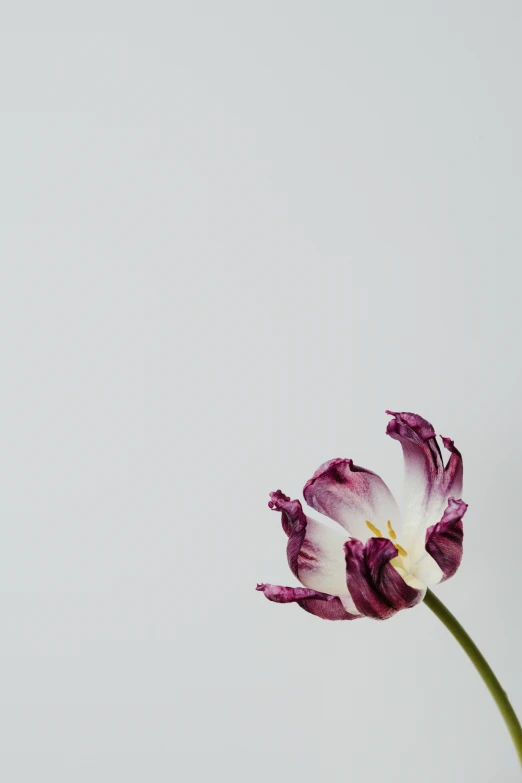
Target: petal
294,523
329,607
454,471
426,570
377,589
351,495
444,540
379,552
315,551
427,483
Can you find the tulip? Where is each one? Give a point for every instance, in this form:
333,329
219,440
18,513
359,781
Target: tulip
375,561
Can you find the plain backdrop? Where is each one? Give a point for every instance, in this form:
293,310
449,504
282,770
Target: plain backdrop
232,234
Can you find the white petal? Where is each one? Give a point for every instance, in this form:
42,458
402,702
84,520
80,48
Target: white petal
413,581
427,482
427,571
350,495
321,560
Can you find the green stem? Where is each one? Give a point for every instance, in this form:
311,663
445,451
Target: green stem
481,665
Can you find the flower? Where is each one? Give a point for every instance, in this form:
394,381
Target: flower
389,560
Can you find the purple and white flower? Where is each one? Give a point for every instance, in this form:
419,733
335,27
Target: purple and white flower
375,561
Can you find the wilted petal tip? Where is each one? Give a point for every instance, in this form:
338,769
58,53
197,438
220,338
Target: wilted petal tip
404,422
339,471
449,444
455,509
277,498
323,605
331,468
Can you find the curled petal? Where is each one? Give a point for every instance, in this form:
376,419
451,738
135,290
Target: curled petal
454,471
379,552
314,550
377,588
427,482
328,607
293,520
410,426
351,495
292,515
444,540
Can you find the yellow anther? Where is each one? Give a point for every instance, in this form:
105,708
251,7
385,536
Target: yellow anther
393,535
391,531
375,530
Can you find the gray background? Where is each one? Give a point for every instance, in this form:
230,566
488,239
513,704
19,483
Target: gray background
232,234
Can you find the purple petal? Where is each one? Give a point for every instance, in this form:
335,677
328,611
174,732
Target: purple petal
377,589
351,495
293,520
428,484
387,580
444,540
454,471
411,426
315,551
328,607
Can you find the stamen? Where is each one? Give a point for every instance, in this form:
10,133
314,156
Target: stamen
393,535
391,531
375,530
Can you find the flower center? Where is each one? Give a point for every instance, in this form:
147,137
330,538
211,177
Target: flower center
392,534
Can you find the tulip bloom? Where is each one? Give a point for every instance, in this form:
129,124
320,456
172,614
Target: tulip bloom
375,561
